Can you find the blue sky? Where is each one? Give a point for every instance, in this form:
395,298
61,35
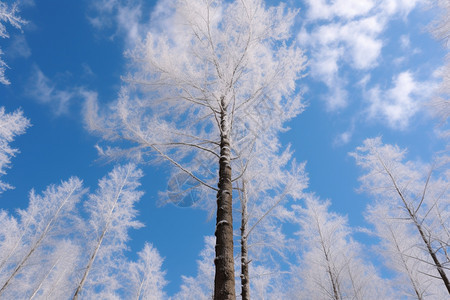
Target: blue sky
372,67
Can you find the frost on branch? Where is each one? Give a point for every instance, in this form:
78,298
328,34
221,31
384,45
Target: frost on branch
441,30
47,219
200,287
147,279
332,264
11,125
204,89
8,15
410,214
112,214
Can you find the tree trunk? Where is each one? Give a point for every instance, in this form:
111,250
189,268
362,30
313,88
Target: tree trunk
436,261
100,240
245,282
413,216
88,268
224,283
47,229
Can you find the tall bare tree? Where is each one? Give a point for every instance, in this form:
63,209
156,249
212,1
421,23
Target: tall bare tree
332,264
218,76
112,213
46,218
265,189
414,195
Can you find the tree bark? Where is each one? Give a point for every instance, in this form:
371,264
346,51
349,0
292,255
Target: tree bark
224,282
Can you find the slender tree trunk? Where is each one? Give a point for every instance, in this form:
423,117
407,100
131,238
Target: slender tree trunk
47,229
224,283
333,278
36,290
405,265
141,285
436,261
89,266
245,282
413,215
100,241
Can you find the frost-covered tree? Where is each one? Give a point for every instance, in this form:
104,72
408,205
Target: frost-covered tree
54,276
8,15
112,214
410,213
268,283
200,287
441,30
265,189
11,125
332,265
48,218
146,277
218,76
399,249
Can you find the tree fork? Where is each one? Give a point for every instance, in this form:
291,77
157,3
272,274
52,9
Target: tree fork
224,282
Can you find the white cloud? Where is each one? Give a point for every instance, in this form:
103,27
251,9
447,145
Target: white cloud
343,138
124,16
45,91
128,20
18,48
399,7
397,105
337,96
347,33
405,42
323,9
26,3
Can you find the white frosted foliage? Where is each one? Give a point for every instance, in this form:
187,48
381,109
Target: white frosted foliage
8,16
112,214
11,125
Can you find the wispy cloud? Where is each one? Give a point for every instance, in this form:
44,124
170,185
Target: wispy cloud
46,91
347,33
397,105
42,89
18,48
125,17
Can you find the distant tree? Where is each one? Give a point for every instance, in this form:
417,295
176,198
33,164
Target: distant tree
112,213
46,219
268,283
146,277
221,74
332,264
200,287
11,125
265,189
401,254
411,199
441,30
54,276
8,15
